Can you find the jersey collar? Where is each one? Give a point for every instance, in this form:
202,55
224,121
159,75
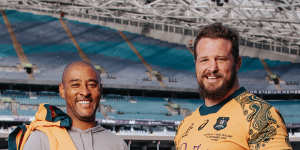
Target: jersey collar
204,110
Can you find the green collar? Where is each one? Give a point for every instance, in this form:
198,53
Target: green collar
204,110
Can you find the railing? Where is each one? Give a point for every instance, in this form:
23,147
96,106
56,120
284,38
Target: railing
170,28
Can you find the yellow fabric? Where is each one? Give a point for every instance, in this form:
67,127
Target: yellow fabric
18,138
58,137
243,123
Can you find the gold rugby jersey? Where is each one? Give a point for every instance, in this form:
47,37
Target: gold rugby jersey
243,121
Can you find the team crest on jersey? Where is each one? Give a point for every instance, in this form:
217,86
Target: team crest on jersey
203,125
221,123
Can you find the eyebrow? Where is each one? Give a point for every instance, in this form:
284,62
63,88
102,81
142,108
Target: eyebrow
198,57
93,80
74,80
90,80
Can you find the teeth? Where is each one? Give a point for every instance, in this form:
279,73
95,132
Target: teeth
211,77
84,102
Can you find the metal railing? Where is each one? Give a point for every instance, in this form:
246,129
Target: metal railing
170,28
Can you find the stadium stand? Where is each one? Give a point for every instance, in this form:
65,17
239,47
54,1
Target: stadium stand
5,111
105,46
48,47
130,107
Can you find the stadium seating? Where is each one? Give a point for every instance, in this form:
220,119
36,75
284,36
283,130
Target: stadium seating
128,108
50,49
289,110
132,107
5,111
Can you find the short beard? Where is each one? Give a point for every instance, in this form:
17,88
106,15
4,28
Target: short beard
221,91
91,118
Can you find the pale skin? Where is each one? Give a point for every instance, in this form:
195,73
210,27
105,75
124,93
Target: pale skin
81,90
214,64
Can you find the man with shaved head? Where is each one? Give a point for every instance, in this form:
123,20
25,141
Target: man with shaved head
81,89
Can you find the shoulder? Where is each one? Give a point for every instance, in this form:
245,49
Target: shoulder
188,119
110,139
37,135
253,105
37,141
109,135
266,126
186,123
248,98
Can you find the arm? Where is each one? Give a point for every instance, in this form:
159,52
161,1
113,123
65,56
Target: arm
268,132
37,141
177,138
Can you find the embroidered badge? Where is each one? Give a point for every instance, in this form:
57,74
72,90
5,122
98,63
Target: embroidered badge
203,125
221,123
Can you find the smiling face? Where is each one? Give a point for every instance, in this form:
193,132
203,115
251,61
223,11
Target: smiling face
81,90
215,67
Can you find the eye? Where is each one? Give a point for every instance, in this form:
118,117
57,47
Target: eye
93,85
75,85
202,60
222,58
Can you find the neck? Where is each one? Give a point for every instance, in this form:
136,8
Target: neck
211,102
83,125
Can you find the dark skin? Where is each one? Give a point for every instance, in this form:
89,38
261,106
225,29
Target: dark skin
81,89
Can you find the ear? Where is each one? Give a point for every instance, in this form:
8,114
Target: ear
62,90
238,63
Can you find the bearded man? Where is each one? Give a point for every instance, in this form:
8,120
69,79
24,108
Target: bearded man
231,118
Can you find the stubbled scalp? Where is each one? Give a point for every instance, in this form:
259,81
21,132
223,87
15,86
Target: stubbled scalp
78,63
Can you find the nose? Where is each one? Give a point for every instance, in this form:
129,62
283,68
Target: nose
213,66
85,91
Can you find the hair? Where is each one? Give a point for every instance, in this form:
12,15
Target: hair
217,30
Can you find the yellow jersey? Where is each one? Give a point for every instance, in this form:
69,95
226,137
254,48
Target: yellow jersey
242,121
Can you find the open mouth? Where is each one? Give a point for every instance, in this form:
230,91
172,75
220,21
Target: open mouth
84,102
212,77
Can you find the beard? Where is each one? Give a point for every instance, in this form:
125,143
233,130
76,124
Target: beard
221,91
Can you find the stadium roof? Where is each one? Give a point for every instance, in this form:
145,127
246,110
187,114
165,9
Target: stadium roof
264,24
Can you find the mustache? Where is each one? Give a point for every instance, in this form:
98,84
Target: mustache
82,98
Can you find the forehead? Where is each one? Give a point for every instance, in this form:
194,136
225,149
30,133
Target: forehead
213,46
81,72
